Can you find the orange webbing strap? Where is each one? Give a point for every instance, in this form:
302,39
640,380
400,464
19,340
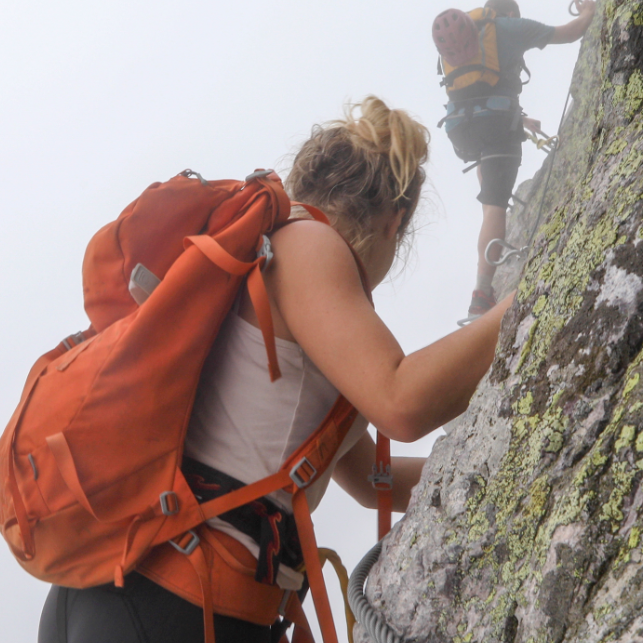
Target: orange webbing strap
296,615
29,548
314,212
256,289
202,569
261,305
331,556
383,483
246,494
313,566
59,447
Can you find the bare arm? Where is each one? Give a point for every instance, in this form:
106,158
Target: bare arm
574,30
315,287
352,471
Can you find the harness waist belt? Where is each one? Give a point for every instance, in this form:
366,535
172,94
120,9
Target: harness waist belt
272,528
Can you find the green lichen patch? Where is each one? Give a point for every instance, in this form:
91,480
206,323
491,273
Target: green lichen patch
628,433
631,384
630,95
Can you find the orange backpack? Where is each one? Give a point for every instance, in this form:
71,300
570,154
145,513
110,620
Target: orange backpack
90,480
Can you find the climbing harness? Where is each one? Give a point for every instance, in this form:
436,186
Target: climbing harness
521,253
366,616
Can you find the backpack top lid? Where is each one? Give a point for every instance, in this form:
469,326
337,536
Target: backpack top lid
456,37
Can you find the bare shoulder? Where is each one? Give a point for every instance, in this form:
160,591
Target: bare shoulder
305,234
310,245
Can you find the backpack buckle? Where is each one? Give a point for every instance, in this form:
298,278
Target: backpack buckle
303,473
190,547
381,478
190,173
265,251
169,503
259,174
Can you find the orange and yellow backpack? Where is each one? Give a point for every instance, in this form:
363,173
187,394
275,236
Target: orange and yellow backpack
481,73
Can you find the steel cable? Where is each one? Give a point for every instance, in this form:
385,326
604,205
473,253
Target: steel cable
365,614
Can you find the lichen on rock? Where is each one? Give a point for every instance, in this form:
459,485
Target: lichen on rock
526,525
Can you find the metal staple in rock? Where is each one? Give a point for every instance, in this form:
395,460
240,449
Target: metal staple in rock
364,613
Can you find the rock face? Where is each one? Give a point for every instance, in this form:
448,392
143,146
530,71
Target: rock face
527,525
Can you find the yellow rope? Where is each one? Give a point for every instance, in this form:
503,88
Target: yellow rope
328,555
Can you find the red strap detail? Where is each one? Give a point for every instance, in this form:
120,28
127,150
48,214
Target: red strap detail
65,461
21,518
256,288
212,508
314,212
213,250
384,493
313,566
200,565
261,304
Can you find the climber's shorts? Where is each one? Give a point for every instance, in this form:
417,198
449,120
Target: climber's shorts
499,163
490,139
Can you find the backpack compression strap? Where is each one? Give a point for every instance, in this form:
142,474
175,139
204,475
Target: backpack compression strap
449,79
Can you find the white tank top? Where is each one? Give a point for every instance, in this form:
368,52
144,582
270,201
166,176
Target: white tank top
247,426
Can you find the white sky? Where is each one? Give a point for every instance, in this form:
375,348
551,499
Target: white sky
101,99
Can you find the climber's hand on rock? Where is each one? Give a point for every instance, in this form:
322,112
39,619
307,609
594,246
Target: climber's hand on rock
585,7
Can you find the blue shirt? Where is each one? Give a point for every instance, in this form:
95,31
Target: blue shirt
515,36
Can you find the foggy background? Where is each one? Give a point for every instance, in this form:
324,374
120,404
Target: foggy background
101,99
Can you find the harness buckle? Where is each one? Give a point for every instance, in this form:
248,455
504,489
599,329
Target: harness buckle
304,467
169,503
381,478
190,547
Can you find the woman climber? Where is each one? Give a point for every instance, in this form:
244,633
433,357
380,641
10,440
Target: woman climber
365,172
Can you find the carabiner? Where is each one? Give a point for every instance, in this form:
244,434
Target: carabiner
572,4
511,252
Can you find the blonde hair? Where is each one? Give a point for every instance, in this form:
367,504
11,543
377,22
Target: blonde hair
362,167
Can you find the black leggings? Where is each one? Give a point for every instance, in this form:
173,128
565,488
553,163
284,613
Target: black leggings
141,612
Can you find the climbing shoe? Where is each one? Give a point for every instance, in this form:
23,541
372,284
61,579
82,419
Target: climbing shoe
481,303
